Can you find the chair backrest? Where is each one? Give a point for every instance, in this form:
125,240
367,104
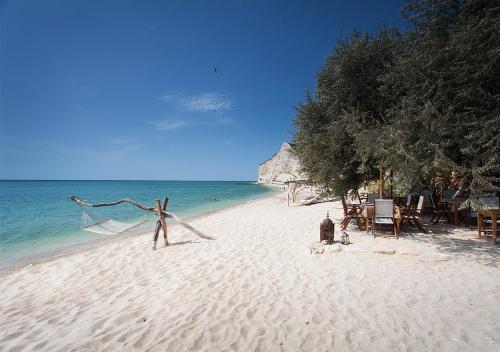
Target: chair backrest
359,197
384,208
409,200
433,200
420,205
352,195
428,199
344,204
489,202
370,198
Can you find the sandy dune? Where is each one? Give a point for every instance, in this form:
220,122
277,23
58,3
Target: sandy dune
258,288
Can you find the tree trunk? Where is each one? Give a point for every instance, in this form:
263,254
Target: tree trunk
381,182
391,174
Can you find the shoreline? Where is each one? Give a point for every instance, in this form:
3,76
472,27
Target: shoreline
97,243
264,284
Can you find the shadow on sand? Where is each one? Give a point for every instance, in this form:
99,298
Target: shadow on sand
179,243
456,241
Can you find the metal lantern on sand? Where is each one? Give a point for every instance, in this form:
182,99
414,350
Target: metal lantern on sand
345,238
327,230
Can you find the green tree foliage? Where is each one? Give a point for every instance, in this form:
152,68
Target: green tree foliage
420,103
347,103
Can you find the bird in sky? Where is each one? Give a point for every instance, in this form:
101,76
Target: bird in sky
215,69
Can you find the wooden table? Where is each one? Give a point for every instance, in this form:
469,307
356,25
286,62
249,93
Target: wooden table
453,204
368,209
494,214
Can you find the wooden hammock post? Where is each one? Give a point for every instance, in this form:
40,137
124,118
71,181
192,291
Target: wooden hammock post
160,223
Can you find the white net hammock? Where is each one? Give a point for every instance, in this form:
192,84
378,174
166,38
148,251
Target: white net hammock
106,226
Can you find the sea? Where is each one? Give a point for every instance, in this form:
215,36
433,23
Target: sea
37,218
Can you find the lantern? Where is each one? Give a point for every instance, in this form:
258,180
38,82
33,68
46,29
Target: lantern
345,238
327,230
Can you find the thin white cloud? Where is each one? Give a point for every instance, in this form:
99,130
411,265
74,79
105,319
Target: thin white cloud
207,102
168,125
168,97
213,103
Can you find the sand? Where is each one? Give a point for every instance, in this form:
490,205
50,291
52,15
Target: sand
259,288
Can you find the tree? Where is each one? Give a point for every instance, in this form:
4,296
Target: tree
424,103
347,108
447,81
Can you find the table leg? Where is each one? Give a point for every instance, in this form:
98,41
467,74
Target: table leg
455,214
479,223
494,228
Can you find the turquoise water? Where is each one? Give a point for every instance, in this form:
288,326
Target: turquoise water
37,218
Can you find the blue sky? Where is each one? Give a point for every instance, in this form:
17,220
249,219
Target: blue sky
127,89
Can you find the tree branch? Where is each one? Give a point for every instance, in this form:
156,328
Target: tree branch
126,200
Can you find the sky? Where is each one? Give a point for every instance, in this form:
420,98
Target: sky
161,90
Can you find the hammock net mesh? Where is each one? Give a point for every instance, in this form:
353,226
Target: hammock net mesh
106,226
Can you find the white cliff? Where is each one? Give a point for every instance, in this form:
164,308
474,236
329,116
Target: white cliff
282,167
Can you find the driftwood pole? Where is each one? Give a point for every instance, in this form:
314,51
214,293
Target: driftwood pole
160,223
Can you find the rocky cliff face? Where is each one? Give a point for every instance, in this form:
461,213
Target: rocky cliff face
281,167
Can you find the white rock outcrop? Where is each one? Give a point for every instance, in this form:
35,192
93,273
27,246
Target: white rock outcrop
281,167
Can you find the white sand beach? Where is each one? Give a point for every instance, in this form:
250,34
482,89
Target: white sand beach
257,287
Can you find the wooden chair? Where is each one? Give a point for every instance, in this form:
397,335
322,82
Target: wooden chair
359,197
383,214
416,217
489,203
484,200
439,210
407,208
427,193
351,212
